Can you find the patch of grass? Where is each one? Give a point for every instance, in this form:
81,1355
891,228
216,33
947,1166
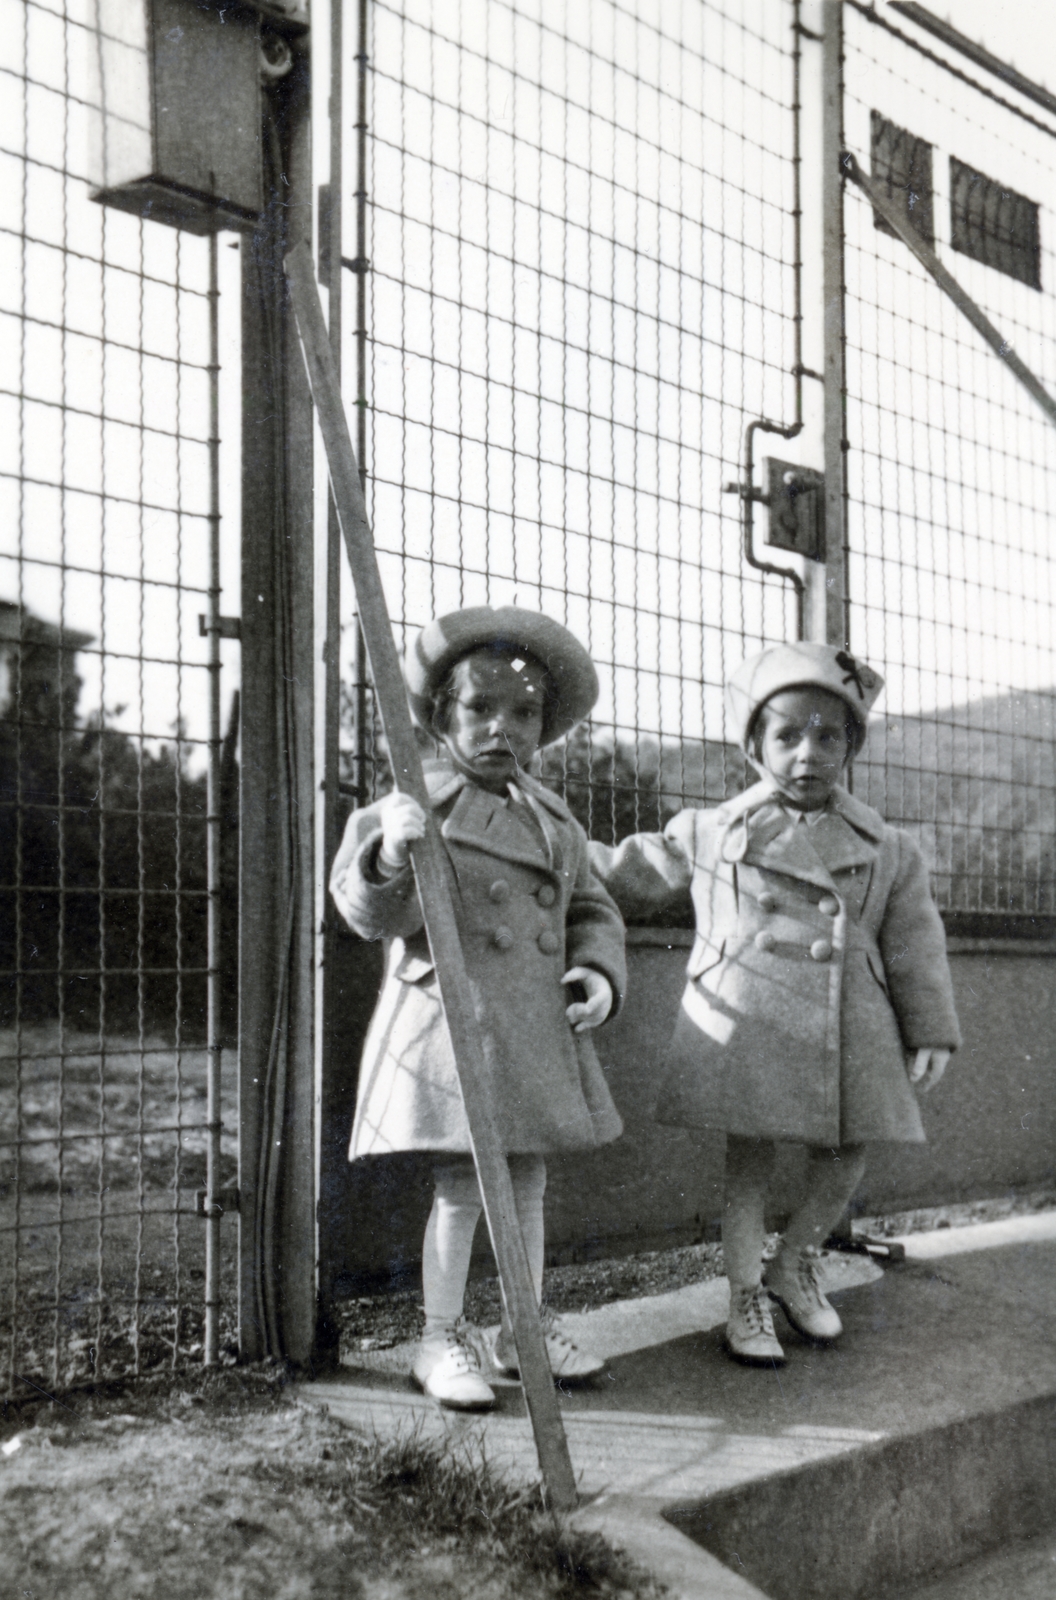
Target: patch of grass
221,1485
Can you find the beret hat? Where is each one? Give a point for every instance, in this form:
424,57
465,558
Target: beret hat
446,640
797,665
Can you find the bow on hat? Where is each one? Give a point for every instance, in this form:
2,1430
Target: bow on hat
800,664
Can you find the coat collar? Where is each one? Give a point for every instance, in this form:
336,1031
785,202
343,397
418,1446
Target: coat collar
860,816
488,821
758,830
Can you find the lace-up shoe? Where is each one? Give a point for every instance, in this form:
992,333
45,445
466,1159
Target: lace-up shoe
567,1361
793,1279
750,1335
447,1368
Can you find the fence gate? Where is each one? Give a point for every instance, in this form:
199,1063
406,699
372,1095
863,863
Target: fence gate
952,462
110,748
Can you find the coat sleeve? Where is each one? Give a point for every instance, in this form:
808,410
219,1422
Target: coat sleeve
649,872
375,907
913,947
594,935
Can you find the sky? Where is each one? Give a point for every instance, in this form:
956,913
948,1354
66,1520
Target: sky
1014,30
1021,32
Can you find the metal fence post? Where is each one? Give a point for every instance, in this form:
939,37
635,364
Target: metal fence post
277,1257
826,598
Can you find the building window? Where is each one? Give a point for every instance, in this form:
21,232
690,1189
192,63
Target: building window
901,163
994,225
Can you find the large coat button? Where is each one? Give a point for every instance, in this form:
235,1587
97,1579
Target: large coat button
820,950
829,906
499,891
767,901
549,943
547,895
765,940
503,938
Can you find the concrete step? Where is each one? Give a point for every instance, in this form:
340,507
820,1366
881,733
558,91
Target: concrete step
923,1442
1020,1571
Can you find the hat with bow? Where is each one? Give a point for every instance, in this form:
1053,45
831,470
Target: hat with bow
797,666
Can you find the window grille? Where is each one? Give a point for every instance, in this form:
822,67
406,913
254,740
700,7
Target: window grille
993,224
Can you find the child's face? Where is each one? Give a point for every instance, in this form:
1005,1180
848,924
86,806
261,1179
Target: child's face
494,720
804,744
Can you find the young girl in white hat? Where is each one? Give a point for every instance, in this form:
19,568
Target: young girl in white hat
818,988
537,929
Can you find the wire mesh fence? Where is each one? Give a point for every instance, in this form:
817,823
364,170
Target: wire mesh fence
952,471
583,234
108,533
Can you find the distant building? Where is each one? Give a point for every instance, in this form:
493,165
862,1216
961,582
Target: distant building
38,679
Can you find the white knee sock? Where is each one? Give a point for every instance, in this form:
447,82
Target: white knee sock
453,1222
749,1163
449,1241
832,1178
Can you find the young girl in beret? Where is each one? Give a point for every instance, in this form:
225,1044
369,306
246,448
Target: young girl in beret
543,946
818,988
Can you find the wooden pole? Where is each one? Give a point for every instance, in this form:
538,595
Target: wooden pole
431,874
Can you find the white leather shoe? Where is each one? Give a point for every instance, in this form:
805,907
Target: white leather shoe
793,1279
567,1361
447,1368
750,1335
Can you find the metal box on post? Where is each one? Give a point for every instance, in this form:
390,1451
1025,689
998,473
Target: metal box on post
794,496
176,107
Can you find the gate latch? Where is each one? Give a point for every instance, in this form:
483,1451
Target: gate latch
796,500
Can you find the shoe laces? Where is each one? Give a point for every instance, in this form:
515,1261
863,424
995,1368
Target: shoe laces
553,1331
808,1272
459,1336
753,1304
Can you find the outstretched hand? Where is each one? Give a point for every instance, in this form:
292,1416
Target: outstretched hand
928,1066
589,1013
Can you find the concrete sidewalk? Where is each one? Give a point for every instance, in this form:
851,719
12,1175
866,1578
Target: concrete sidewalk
925,1437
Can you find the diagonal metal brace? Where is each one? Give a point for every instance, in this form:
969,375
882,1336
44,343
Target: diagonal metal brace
947,283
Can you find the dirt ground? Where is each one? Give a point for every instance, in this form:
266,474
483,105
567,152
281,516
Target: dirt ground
220,1486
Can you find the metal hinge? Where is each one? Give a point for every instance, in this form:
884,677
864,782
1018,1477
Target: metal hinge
229,1199
226,627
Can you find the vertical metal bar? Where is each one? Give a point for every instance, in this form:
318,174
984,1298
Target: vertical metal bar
826,609
214,1003
361,729
277,1236
331,1118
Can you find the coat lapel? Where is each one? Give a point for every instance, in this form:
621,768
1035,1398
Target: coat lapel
484,822
781,845
845,838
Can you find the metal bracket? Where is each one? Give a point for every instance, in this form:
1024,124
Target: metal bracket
226,627
796,500
227,1200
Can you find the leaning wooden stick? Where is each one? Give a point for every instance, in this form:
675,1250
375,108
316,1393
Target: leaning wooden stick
430,871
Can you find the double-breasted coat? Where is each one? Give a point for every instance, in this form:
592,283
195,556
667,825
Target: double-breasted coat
528,909
819,961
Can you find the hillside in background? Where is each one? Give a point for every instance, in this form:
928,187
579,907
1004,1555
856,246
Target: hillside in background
975,783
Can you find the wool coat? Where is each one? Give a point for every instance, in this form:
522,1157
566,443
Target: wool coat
819,962
528,909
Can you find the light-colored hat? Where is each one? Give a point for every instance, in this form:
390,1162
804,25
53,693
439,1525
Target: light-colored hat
446,640
794,666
